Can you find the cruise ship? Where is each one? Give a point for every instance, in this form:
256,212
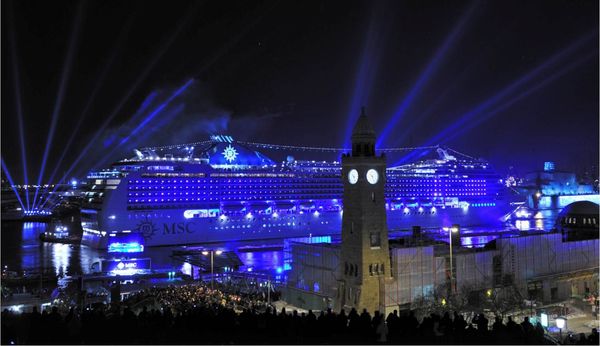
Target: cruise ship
222,190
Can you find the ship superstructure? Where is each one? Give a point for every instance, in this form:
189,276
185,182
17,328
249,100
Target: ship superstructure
222,190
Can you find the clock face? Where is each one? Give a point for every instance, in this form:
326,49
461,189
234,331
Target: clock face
372,176
353,176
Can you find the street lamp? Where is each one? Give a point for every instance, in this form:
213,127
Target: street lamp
453,229
561,322
212,268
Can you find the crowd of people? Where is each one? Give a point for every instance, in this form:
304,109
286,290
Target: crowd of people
197,314
185,297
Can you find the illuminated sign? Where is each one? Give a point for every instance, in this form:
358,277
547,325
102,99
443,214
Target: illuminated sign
125,242
126,266
230,154
179,227
125,247
161,168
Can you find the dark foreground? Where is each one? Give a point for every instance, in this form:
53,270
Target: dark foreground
195,314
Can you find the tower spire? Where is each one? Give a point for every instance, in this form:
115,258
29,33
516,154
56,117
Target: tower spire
364,258
363,136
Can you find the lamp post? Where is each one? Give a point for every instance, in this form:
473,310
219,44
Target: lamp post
561,323
212,268
453,229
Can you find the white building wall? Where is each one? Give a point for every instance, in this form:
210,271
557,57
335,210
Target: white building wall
414,273
417,271
474,270
539,255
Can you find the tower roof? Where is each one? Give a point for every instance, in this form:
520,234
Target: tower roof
363,126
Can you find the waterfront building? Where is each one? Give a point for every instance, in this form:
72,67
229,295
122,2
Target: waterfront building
424,272
542,267
364,247
554,189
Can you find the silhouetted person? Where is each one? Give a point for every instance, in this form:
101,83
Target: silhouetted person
381,332
470,334
34,325
446,324
354,321
365,325
460,326
341,329
393,324
515,331
593,338
311,325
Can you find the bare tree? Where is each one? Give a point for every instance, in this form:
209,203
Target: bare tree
505,300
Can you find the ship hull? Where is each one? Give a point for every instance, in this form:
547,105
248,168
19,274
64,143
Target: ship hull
162,228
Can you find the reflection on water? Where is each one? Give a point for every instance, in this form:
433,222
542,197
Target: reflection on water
30,232
23,251
264,260
60,253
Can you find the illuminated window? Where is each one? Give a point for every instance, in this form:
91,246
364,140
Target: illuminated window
375,238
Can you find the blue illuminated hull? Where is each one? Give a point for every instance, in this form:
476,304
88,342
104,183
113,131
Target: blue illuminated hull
171,228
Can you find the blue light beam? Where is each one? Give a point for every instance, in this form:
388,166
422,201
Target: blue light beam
12,184
545,82
511,88
429,71
13,44
98,84
147,120
168,116
132,89
156,111
369,60
142,109
61,91
506,91
406,131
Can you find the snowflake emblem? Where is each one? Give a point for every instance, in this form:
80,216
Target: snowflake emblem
230,153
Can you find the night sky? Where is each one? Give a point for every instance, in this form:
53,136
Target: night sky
296,73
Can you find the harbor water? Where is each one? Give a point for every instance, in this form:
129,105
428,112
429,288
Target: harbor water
23,251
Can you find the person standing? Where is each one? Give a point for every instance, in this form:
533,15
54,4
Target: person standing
381,332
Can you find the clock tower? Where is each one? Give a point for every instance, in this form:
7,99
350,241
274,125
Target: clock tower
365,257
